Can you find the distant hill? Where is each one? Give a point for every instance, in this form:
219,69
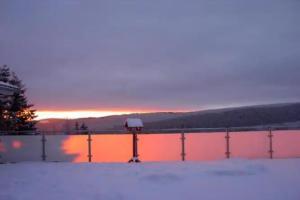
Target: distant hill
261,115
104,123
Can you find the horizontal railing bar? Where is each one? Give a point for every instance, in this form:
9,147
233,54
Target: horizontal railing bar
151,131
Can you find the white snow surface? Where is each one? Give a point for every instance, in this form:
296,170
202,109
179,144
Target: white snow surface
214,180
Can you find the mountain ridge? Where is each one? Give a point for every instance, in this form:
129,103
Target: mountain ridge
253,115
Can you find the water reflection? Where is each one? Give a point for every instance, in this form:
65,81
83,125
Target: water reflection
158,147
249,144
286,144
205,146
111,148
165,147
75,146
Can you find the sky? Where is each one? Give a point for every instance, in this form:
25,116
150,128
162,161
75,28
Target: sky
160,55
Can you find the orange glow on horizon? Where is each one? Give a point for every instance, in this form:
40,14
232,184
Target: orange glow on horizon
77,114
74,114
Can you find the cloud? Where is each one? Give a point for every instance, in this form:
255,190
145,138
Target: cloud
158,54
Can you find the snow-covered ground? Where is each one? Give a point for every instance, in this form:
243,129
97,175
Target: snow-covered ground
217,180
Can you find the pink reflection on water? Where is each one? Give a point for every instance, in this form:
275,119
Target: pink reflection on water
249,144
199,146
111,148
165,147
76,146
286,144
205,146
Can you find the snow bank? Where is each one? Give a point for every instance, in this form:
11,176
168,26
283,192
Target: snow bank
218,180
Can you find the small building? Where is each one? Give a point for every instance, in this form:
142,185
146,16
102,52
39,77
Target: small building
134,124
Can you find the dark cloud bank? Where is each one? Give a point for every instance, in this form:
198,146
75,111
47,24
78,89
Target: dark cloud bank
153,54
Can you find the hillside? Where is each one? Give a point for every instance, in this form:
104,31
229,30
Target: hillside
235,117
262,115
103,123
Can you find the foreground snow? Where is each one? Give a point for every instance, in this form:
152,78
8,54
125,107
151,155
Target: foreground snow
220,180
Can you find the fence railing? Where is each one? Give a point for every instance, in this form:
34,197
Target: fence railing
152,131
153,145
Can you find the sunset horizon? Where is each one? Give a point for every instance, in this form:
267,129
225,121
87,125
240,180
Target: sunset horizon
149,100
94,113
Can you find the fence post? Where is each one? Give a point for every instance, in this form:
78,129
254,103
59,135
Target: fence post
135,147
227,137
182,146
270,143
44,147
89,146
135,155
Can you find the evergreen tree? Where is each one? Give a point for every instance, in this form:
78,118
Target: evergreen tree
76,126
16,113
67,127
4,74
4,100
84,128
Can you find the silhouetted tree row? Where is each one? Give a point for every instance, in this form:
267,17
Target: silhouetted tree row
82,128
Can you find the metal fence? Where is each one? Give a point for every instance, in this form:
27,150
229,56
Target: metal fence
153,145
